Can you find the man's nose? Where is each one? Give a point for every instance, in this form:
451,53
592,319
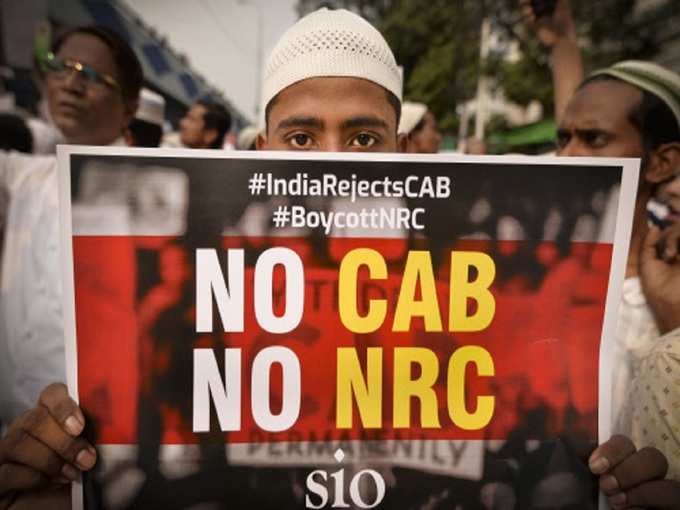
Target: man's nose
332,144
74,82
571,149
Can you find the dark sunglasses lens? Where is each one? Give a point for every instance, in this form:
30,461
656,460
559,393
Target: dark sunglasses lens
54,64
91,74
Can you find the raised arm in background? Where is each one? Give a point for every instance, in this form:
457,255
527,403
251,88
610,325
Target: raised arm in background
558,33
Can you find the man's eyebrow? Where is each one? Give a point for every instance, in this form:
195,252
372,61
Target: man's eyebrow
593,123
592,130
364,121
298,121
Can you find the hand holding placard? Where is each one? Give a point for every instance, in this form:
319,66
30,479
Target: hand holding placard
44,447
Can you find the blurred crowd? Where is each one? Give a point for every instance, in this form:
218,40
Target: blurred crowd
94,93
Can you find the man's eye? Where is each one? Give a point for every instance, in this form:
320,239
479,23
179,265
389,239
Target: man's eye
363,140
563,138
595,138
300,141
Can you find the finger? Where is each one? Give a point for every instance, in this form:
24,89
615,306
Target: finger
643,466
649,249
15,477
610,453
659,494
64,409
21,448
41,425
668,244
53,498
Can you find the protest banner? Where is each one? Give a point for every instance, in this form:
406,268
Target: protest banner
288,330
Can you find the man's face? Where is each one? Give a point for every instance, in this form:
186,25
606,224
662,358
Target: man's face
332,115
596,122
192,132
88,112
427,139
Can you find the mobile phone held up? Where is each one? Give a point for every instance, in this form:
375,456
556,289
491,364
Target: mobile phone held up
543,8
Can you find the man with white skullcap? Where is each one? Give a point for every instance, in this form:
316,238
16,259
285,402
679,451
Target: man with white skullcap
632,109
332,84
420,127
205,125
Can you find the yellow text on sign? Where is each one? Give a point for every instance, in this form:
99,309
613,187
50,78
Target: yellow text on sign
365,388
418,271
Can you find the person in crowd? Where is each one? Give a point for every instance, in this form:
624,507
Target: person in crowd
15,134
93,82
146,128
205,125
246,138
420,128
475,146
631,109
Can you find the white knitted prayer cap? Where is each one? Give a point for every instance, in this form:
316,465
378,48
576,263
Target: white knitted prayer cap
330,43
151,107
246,137
411,115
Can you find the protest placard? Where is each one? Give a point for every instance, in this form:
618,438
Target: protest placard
286,330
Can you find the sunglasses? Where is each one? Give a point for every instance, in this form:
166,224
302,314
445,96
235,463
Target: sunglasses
61,68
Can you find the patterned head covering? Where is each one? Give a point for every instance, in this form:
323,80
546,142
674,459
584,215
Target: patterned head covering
650,77
411,115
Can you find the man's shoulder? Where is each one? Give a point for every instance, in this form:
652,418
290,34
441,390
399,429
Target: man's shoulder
33,162
18,167
668,345
662,362
23,159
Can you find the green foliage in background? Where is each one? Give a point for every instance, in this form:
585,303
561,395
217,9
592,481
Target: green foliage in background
437,43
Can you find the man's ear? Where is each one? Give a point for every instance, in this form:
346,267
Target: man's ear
209,137
127,136
261,141
663,163
402,143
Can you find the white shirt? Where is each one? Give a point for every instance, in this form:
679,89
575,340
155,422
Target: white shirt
636,335
31,321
